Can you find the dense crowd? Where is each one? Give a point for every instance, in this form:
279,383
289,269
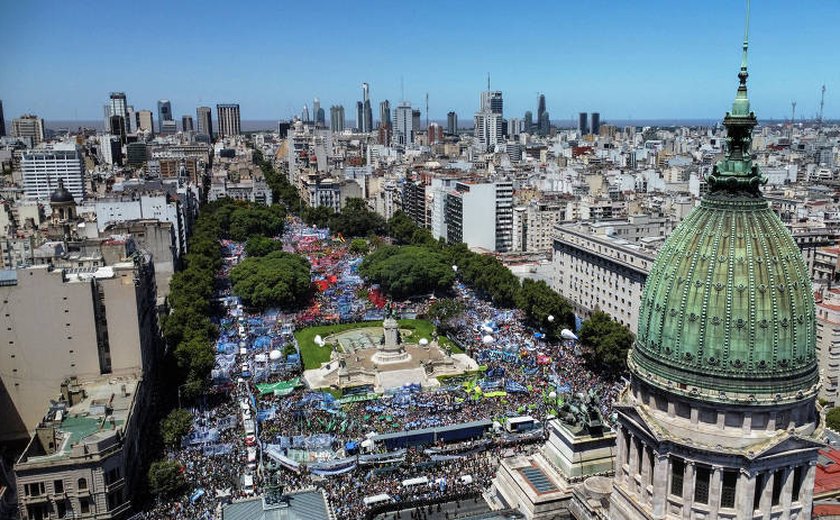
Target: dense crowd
522,368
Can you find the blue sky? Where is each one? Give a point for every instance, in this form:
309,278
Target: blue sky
627,59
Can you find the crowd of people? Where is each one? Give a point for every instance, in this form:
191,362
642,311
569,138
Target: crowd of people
522,368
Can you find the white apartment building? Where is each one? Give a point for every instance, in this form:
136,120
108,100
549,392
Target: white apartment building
44,167
600,271
480,215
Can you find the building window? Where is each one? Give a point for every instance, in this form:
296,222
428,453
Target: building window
730,482
84,506
778,482
58,486
677,476
701,484
797,483
81,484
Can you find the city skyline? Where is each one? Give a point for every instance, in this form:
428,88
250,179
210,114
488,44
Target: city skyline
618,59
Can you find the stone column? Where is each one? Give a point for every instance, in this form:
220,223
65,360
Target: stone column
766,504
621,455
688,489
806,492
644,463
787,492
745,497
714,492
634,463
661,470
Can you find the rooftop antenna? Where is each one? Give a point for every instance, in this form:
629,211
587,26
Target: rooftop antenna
402,89
822,105
488,82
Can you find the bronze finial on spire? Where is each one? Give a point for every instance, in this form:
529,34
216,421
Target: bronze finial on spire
736,173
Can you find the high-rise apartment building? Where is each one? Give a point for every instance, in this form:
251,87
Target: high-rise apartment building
366,119
583,123
337,118
43,168
451,123
30,126
204,118
319,114
145,121
385,113
543,123
404,129
489,122
164,112
187,124
481,215
228,117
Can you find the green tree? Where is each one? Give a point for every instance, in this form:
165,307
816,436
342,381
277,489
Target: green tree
319,216
539,301
357,220
359,246
605,342
407,271
401,228
832,419
277,279
249,220
174,426
166,478
260,245
444,309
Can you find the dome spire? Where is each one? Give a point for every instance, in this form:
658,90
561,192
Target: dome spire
736,173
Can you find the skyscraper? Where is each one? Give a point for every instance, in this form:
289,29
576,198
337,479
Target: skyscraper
204,117
2,120
416,123
318,113
529,122
145,121
719,419
385,113
367,112
164,112
542,117
304,114
489,120
404,124
30,126
360,115
583,126
596,122
116,116
228,117
187,124
452,123
337,118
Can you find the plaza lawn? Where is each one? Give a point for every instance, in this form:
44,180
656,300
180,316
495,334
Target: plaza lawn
313,355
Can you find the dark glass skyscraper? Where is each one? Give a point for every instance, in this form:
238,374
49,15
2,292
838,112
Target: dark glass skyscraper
596,122
452,123
529,122
542,117
164,112
385,113
583,123
204,117
2,120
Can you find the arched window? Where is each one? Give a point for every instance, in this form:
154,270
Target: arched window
81,484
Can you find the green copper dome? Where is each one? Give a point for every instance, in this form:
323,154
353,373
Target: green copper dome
728,309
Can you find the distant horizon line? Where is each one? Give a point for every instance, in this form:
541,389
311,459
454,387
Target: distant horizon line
250,125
